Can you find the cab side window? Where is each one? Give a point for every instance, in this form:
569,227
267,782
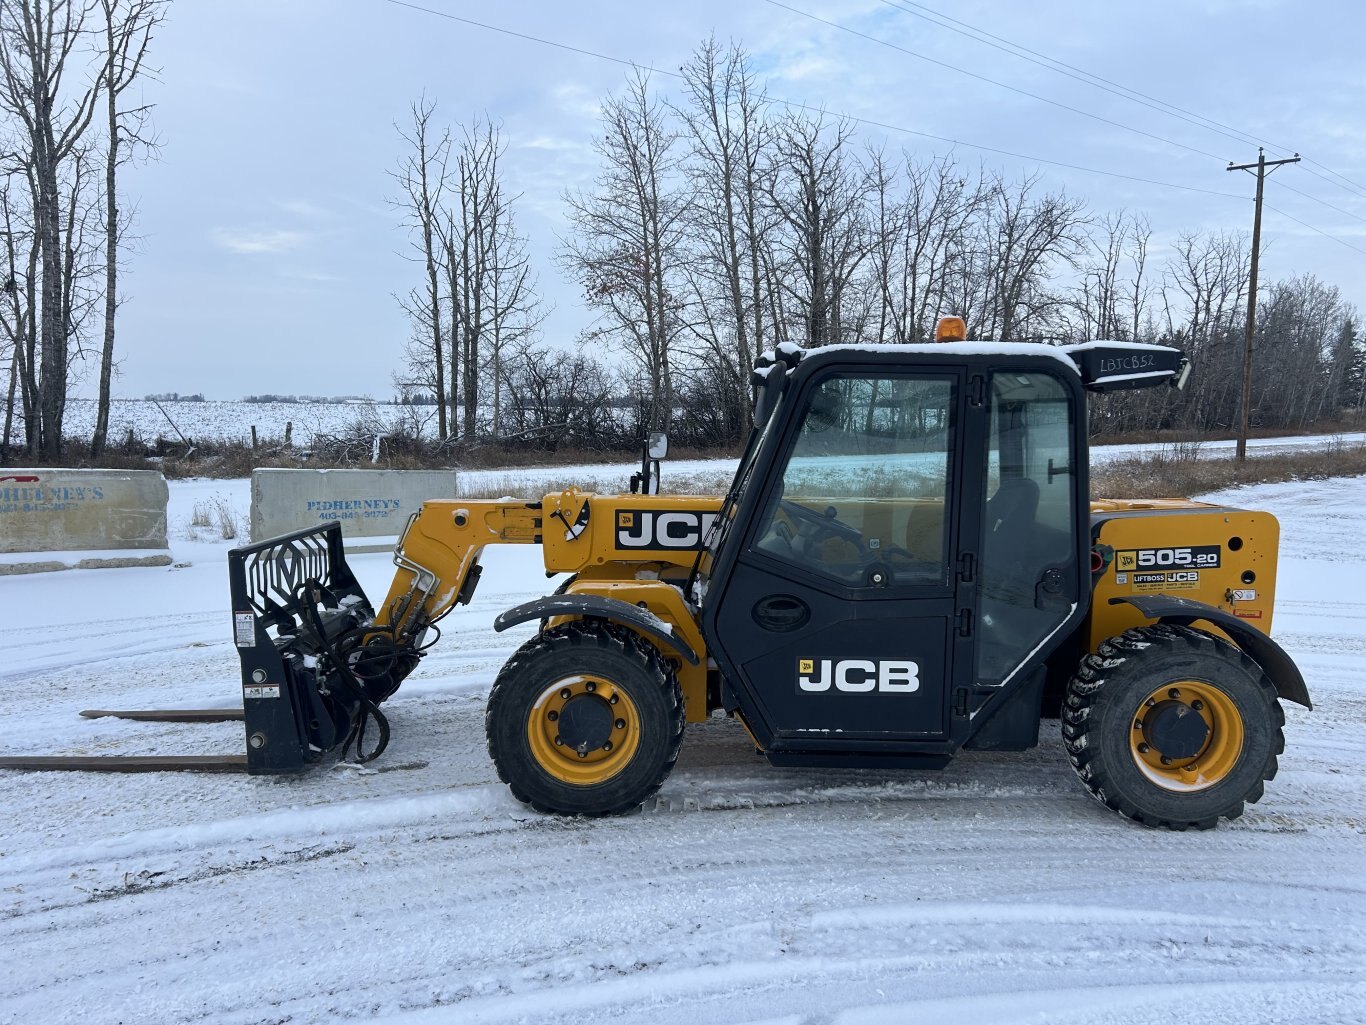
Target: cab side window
864,489
1029,532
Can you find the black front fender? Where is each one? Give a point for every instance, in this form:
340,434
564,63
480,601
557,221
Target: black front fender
1279,667
593,606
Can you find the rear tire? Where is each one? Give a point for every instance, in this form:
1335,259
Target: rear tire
585,719
1170,726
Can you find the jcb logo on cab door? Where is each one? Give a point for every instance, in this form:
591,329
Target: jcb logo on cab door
858,675
676,530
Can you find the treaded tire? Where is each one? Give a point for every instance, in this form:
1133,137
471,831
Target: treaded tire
1106,697
598,649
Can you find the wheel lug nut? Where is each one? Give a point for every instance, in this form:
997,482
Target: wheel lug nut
565,693
590,686
1166,760
552,716
613,699
607,745
1197,705
583,754
1143,749
620,724
1150,702
1174,694
1138,724
559,742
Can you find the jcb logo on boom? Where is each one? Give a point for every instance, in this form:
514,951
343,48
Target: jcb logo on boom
858,675
676,530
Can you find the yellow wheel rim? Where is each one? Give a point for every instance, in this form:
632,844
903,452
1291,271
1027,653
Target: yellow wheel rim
1181,753
583,730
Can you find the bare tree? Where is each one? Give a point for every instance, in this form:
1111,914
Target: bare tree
515,308
38,41
1025,237
558,399
128,27
19,305
818,189
492,293
1111,297
727,134
925,216
422,176
1204,302
1299,332
628,236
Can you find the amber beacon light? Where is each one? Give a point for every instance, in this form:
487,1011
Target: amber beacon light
950,329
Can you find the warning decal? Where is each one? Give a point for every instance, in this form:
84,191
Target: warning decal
244,629
269,690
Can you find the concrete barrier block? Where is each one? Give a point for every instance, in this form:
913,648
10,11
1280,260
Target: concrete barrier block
69,514
368,503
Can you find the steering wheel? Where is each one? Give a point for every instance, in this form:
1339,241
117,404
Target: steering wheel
814,527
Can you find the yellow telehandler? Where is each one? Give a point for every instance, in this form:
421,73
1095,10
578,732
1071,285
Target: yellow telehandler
908,562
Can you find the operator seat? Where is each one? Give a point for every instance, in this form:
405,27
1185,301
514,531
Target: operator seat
1012,510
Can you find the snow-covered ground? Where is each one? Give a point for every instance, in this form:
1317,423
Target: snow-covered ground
420,892
229,420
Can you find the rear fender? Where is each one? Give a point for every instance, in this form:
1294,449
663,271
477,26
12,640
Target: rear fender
1279,667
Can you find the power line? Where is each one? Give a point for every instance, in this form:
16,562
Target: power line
1063,68
1319,231
803,106
1338,180
1351,186
1009,153
870,122
992,81
1322,202
533,39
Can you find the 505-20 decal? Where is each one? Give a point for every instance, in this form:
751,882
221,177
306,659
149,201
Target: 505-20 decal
1192,557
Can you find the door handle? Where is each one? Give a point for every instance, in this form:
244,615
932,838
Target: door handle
781,612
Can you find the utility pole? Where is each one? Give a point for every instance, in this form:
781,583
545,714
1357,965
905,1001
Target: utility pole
1263,168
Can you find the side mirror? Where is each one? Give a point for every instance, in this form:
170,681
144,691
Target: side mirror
658,445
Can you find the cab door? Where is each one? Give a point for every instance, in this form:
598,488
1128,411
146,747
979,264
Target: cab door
844,620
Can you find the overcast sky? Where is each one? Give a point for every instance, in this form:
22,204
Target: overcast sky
269,256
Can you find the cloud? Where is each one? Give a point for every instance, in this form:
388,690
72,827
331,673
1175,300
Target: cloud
248,240
579,100
548,142
802,68
303,208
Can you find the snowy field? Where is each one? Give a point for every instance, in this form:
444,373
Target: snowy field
612,476
418,891
229,420
233,420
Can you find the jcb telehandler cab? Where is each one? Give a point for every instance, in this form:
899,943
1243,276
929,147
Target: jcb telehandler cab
907,563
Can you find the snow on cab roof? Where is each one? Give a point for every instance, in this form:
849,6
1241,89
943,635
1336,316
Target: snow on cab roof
957,349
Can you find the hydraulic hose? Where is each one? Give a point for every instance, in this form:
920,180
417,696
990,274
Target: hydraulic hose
368,708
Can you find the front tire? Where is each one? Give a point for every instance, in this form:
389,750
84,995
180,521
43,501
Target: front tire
1170,726
585,719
